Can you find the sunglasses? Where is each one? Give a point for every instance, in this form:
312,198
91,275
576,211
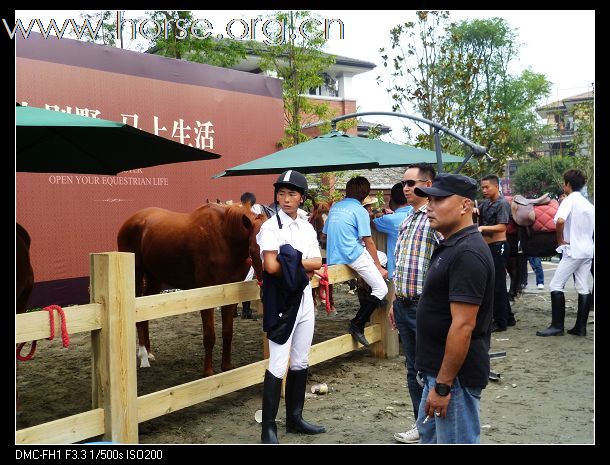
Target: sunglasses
411,182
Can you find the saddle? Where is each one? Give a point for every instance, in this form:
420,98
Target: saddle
536,214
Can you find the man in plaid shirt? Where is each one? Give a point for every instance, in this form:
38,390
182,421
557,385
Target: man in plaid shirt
414,247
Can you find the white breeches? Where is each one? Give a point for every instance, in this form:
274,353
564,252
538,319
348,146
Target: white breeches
365,267
580,267
296,348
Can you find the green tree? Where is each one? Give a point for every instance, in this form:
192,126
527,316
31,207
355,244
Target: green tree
583,141
460,79
181,43
541,176
299,61
414,64
107,35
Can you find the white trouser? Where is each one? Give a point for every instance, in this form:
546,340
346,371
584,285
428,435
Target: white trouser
580,267
365,267
296,348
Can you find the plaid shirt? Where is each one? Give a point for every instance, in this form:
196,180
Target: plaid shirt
414,247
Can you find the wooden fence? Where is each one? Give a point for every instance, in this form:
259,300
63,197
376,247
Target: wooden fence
111,316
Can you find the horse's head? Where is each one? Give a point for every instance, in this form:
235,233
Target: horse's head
242,226
318,217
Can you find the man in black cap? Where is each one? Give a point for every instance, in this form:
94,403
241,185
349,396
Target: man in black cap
454,317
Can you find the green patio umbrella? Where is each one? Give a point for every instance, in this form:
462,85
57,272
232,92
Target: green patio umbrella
54,142
337,151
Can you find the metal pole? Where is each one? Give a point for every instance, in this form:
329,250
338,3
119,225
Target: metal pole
439,156
476,149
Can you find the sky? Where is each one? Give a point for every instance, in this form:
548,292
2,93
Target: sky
557,43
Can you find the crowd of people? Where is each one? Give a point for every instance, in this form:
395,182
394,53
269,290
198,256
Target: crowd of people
449,277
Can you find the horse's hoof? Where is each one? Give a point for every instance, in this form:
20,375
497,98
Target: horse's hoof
207,373
151,356
227,367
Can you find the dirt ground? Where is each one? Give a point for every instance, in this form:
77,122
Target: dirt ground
544,395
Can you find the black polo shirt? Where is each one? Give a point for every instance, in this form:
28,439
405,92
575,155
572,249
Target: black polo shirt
461,270
493,213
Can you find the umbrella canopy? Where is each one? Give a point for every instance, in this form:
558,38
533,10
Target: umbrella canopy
54,142
337,151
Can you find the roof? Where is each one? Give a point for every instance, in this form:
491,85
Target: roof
251,63
561,104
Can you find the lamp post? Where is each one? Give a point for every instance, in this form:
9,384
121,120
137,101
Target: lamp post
475,148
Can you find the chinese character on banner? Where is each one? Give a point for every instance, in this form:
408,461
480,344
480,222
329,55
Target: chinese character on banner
133,117
179,129
156,126
204,139
88,113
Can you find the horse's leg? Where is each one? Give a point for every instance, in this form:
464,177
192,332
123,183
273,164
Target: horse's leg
143,343
227,336
152,286
209,337
330,298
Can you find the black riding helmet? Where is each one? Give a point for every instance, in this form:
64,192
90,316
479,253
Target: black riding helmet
293,179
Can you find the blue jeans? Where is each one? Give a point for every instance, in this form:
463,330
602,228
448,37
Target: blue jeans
536,265
462,424
405,315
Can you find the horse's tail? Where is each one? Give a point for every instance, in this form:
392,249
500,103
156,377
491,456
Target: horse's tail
129,239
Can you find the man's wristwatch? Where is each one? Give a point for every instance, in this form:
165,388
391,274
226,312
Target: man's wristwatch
442,389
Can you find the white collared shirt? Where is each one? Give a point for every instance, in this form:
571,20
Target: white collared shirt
298,233
579,216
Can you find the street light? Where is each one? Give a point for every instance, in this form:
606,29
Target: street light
476,149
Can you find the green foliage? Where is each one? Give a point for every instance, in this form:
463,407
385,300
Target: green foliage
584,141
541,176
108,29
300,63
183,45
456,74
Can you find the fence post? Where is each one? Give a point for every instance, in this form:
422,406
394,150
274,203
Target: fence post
387,347
114,382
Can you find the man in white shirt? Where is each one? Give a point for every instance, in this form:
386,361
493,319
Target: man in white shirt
575,220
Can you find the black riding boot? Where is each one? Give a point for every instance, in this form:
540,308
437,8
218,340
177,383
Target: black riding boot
584,304
356,325
558,314
295,398
272,389
246,311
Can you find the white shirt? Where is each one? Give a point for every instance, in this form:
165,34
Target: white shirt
579,216
298,233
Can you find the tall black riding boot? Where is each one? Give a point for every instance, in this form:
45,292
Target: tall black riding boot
356,324
295,398
584,304
558,314
272,389
246,312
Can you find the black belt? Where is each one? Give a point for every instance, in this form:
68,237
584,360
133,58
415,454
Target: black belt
408,300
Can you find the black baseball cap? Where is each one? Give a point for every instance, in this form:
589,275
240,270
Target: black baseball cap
446,184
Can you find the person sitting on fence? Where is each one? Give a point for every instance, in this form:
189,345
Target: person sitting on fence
346,227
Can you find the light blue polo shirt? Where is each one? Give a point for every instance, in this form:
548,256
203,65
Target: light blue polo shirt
347,223
390,224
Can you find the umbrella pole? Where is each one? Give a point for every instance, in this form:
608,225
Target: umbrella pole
437,147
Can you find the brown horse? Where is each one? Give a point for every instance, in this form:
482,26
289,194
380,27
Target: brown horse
317,218
212,245
24,275
24,278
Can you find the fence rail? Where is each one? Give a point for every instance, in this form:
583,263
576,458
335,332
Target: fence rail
111,317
